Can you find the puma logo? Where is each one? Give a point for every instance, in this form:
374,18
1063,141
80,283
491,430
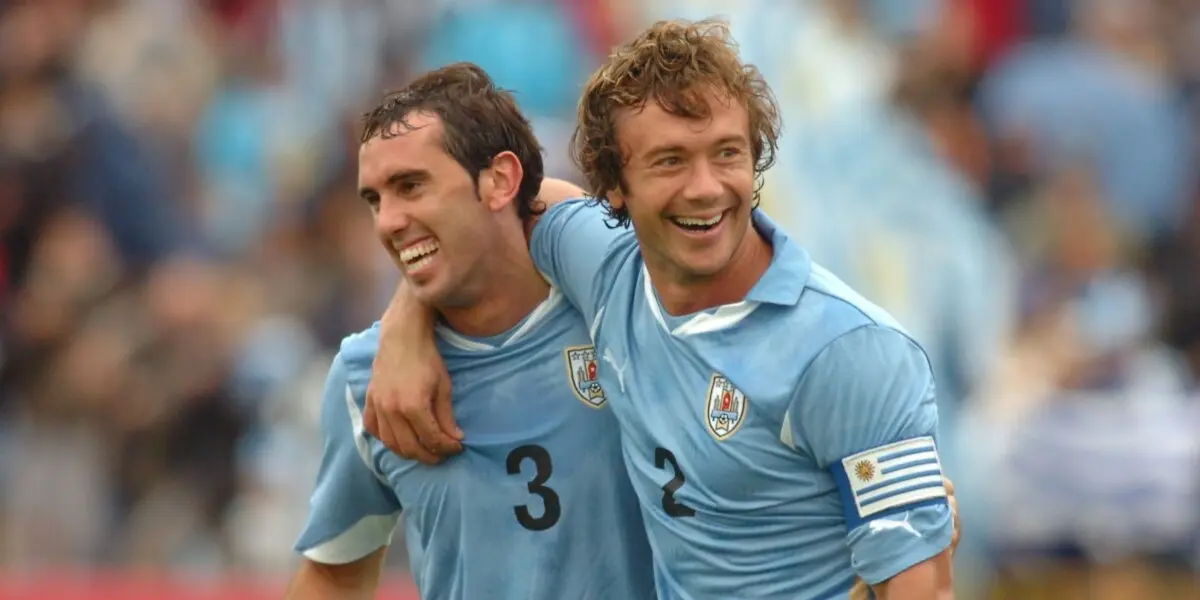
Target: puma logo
881,525
611,359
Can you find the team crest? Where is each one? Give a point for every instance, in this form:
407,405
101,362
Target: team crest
581,369
726,407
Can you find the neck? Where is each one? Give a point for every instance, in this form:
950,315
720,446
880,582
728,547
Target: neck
511,288
683,294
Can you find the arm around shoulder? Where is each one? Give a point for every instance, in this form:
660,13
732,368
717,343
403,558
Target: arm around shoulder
408,400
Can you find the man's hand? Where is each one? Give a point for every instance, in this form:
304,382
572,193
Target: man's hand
417,421
408,400
862,591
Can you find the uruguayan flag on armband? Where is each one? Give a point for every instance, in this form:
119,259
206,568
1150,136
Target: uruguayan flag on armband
890,478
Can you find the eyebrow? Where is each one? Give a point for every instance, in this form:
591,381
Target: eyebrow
397,177
676,148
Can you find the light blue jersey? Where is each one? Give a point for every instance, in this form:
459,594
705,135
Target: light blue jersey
538,505
779,446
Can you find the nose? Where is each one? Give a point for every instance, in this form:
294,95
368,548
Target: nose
392,218
702,183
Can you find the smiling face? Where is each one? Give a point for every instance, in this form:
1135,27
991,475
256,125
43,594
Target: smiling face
674,134
427,210
688,185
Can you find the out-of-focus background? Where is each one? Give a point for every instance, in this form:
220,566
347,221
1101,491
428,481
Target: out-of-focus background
182,250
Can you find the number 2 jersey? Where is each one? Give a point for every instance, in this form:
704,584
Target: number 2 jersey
537,506
780,446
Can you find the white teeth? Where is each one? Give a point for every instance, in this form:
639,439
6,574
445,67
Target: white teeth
419,264
691,222
412,254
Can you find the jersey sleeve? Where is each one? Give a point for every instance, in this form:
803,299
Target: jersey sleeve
865,409
352,513
569,246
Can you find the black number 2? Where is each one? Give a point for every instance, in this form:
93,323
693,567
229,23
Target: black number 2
673,507
537,486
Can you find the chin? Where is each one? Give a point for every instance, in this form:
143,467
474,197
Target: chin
429,293
701,267
704,263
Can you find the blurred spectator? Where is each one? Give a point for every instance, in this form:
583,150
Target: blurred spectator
1103,97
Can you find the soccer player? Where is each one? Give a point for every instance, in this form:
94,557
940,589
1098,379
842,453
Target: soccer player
778,427
539,507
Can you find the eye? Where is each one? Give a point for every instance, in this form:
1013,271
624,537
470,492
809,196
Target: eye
408,188
667,161
372,200
731,152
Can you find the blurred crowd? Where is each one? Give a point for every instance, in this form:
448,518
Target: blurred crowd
181,250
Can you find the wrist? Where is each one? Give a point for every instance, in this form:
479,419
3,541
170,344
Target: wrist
405,315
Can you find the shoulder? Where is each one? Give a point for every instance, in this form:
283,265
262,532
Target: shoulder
829,313
872,351
841,304
852,333
873,380
871,376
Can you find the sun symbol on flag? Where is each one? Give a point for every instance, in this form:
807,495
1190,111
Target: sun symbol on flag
864,470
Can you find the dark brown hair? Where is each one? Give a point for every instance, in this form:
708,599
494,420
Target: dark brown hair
672,64
479,119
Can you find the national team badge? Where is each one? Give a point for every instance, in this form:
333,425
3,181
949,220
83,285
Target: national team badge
726,407
581,369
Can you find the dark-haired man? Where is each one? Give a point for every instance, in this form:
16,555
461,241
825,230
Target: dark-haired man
539,506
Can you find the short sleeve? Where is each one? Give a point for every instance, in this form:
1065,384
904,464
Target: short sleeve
352,513
569,245
865,409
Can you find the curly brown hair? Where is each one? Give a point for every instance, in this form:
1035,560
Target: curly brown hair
672,63
479,121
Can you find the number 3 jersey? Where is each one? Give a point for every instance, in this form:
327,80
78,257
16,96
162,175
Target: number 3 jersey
537,506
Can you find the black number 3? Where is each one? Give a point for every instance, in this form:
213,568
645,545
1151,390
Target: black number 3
552,508
673,507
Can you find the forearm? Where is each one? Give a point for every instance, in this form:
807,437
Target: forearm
554,191
930,580
356,581
406,316
905,592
